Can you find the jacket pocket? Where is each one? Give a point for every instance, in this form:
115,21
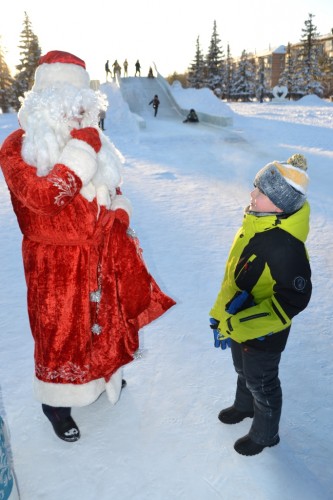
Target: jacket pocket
247,318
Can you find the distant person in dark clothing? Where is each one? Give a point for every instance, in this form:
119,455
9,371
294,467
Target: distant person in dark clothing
101,118
125,64
191,117
137,68
155,102
116,69
150,72
107,69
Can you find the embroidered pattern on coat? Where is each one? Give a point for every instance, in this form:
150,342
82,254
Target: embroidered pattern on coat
67,188
69,372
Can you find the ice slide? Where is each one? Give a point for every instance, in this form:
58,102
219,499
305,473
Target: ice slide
139,91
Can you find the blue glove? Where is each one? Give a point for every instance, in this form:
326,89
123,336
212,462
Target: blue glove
241,300
214,324
219,339
225,342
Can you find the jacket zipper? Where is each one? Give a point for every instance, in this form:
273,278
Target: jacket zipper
248,318
277,312
253,316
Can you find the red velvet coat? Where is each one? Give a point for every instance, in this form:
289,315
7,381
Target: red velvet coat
71,247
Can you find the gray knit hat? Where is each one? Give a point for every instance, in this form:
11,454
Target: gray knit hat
284,183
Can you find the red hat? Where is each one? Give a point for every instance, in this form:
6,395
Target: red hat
63,57
57,67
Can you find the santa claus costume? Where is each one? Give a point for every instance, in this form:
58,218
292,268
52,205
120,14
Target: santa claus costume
89,290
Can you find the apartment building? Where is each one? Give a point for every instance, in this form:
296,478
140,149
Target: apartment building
274,60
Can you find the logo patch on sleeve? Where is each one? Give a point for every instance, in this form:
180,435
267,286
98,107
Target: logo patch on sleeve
299,283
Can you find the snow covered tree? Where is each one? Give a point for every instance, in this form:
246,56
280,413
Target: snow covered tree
309,37
30,53
309,59
227,75
326,66
215,62
290,76
196,71
243,86
6,82
261,89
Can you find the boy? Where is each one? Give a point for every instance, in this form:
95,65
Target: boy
155,102
267,282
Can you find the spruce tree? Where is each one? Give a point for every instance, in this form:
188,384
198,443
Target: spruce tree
290,76
326,66
30,53
215,62
6,82
309,59
196,71
227,75
260,80
243,87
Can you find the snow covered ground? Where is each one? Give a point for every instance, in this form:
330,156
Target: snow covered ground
188,184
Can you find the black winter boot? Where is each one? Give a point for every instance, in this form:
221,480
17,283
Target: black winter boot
232,416
67,430
245,446
63,424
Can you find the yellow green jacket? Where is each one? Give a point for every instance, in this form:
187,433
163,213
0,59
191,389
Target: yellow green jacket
268,259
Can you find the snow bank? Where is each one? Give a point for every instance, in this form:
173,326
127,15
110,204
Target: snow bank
313,100
202,100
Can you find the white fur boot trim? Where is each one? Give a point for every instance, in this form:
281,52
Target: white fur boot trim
77,394
113,387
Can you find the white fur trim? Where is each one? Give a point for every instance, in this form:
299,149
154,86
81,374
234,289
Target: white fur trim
56,74
113,387
80,157
88,192
78,395
103,196
121,201
109,165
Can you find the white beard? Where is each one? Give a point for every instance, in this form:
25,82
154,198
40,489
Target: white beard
47,118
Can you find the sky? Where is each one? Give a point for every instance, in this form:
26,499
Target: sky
164,34
188,184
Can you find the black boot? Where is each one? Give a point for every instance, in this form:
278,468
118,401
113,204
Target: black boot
232,416
63,424
245,445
